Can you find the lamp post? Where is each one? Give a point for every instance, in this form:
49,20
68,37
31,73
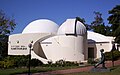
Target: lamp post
30,46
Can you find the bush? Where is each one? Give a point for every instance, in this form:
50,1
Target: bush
1,64
36,62
13,61
60,63
91,61
116,55
63,63
20,60
8,62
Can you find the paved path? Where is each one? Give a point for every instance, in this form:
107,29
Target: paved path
83,69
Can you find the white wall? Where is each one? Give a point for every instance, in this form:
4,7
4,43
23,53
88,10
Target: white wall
18,43
68,48
98,46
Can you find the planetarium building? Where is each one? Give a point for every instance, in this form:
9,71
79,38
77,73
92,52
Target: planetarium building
70,42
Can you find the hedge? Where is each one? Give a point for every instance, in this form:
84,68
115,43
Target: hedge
116,55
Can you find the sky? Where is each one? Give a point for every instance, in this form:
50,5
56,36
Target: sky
26,11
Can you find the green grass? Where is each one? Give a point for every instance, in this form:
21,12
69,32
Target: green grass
114,71
33,70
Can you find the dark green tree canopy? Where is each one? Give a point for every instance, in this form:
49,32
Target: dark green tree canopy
98,25
98,19
114,20
7,25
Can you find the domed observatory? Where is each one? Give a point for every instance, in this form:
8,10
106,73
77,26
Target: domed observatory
35,32
69,44
45,29
41,26
74,35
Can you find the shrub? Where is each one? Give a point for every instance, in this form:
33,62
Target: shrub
20,61
36,62
116,55
60,63
13,61
8,62
91,61
1,64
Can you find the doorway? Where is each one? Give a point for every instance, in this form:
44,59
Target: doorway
90,52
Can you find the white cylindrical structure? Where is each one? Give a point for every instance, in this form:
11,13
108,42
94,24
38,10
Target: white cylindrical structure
67,47
80,44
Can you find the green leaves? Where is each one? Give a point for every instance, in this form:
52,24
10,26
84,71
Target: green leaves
114,20
7,25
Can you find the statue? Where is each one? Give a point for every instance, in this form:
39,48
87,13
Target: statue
102,61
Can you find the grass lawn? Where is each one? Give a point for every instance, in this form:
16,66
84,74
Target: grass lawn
114,71
33,70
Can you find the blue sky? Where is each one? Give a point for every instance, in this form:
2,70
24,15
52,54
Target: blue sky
26,11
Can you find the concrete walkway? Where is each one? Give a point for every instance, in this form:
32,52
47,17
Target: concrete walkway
83,69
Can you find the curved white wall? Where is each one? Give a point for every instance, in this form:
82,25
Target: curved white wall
68,48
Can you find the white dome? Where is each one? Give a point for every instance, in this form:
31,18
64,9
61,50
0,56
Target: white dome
41,26
68,27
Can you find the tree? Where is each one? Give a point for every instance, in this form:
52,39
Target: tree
99,26
7,25
98,19
114,20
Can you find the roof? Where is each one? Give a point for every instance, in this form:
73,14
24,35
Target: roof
68,27
98,37
41,26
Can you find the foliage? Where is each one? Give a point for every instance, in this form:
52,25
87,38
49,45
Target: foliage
114,20
62,63
1,64
36,62
98,25
116,55
19,61
22,61
98,19
91,61
7,25
7,63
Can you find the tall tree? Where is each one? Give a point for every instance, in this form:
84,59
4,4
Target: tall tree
114,20
98,25
7,25
98,19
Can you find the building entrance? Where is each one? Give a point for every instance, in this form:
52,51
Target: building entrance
90,52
